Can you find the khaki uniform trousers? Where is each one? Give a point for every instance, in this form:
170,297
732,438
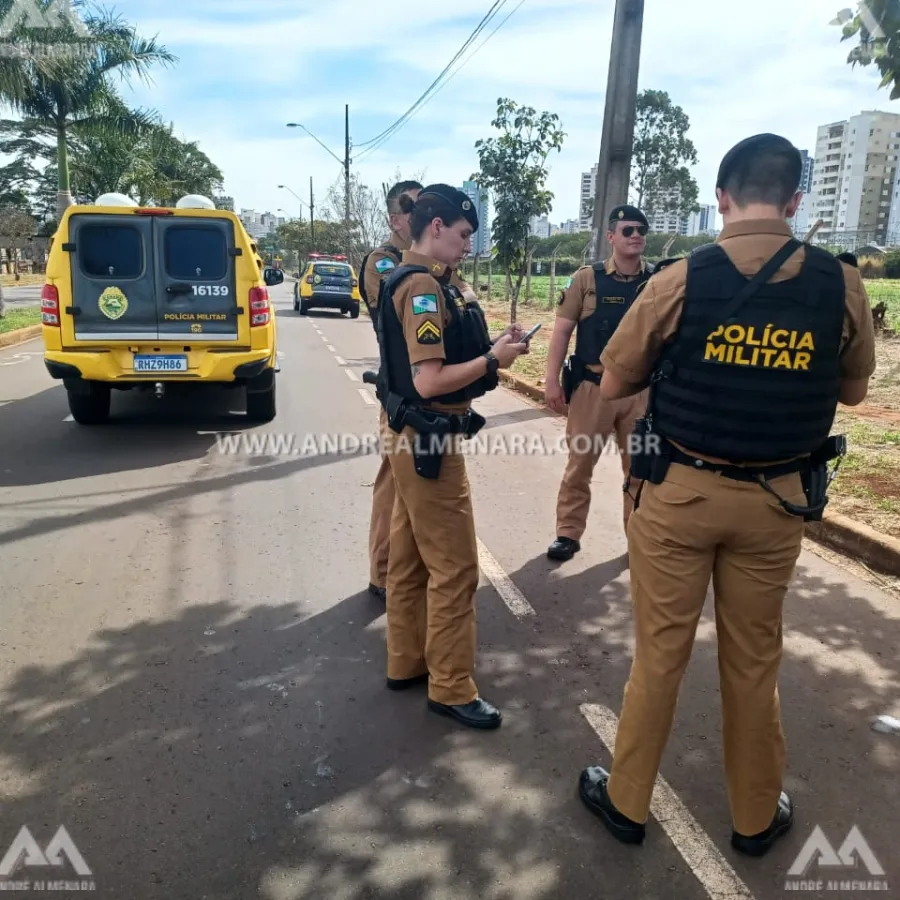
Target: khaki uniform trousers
694,527
380,522
432,575
591,422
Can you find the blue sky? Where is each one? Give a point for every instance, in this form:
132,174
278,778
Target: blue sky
247,67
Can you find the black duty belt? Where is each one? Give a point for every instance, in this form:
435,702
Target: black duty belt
738,473
592,377
431,421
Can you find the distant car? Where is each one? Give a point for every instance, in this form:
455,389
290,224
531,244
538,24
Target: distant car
327,282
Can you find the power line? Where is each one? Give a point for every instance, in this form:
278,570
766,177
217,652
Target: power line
379,140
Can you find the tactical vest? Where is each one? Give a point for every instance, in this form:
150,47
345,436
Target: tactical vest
465,338
762,386
614,299
393,251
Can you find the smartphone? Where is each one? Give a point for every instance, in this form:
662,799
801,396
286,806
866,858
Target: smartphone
532,333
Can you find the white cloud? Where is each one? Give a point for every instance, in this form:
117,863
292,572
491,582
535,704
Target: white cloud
736,70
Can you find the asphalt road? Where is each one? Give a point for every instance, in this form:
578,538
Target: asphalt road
192,672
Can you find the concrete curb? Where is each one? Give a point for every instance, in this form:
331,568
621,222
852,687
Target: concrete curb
878,551
20,335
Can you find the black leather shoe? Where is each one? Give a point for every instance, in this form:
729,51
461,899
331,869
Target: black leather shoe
477,714
379,592
760,844
402,684
592,790
563,549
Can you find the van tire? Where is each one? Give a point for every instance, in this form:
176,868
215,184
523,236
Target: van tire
91,406
354,312
261,404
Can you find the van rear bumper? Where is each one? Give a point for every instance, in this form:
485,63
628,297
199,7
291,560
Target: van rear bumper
117,366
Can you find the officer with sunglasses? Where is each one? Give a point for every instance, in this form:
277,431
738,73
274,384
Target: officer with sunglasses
594,302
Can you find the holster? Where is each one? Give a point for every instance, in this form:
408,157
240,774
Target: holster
432,428
650,460
816,479
573,373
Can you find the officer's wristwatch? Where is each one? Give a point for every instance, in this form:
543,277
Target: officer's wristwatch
493,364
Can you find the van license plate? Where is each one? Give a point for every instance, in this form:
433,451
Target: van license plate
160,363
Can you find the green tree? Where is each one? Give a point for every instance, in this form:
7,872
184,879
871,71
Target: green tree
513,167
62,77
877,26
660,180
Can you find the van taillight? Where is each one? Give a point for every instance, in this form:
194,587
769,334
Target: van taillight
259,307
50,305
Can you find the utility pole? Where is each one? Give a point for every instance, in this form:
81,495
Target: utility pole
614,165
312,214
347,169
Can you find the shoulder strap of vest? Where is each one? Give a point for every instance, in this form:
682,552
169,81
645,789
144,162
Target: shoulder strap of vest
665,262
389,284
683,348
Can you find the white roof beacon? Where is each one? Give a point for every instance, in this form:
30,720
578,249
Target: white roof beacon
195,201
114,199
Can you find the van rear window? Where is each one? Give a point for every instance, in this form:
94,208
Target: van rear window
110,251
195,252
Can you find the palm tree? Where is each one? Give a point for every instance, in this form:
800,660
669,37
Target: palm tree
64,79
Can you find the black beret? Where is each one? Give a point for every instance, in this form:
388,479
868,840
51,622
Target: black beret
849,258
627,214
753,146
456,198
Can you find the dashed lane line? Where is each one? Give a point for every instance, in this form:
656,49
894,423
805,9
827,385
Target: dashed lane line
331,349
340,361
351,375
367,396
510,594
707,864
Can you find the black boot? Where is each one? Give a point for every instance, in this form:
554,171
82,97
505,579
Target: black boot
563,549
592,790
379,592
760,844
477,714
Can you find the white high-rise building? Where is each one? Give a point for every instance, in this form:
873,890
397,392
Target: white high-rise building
854,179
540,227
588,192
482,240
702,222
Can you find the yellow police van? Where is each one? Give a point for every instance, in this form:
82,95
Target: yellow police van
327,282
139,298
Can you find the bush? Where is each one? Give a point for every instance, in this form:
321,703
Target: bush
872,267
892,264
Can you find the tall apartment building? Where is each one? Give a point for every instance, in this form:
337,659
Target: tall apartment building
481,240
701,222
854,180
541,227
588,192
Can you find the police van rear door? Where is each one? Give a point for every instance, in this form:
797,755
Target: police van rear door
113,294
196,291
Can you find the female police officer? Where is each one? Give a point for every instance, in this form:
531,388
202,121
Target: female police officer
436,357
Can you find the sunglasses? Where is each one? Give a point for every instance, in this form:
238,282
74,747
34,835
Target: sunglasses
629,230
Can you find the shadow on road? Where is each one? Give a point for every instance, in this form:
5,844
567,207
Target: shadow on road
246,752
39,447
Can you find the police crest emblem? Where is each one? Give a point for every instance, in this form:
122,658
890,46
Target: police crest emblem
113,303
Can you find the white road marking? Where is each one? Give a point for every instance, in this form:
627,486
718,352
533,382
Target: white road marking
323,337
502,583
340,361
332,349
366,394
4,402
351,374
68,419
708,865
